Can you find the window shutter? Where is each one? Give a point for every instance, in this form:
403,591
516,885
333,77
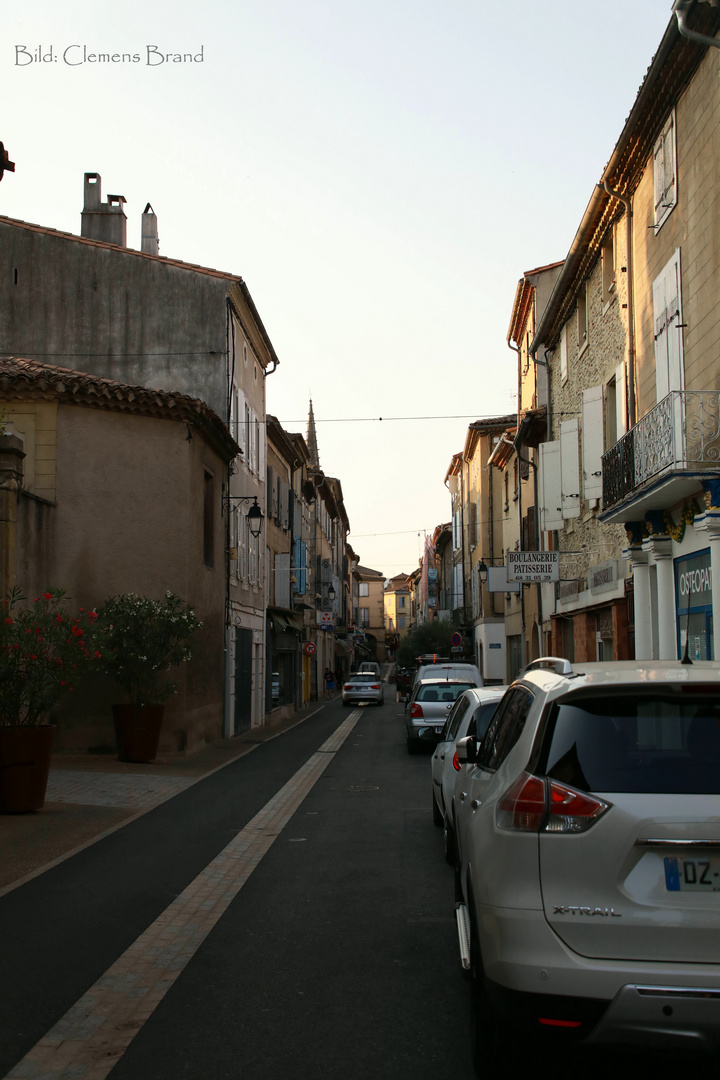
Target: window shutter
673,320
667,307
550,490
239,432
282,580
592,442
659,177
285,496
620,401
569,469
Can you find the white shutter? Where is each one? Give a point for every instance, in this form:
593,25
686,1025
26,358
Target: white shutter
662,376
592,442
667,320
673,321
659,177
620,401
239,432
570,468
261,436
550,489
563,354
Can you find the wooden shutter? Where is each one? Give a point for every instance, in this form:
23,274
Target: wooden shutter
569,469
592,442
550,489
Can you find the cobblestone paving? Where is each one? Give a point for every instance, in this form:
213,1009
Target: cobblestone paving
110,789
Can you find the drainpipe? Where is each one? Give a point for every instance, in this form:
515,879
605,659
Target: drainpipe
631,404
681,8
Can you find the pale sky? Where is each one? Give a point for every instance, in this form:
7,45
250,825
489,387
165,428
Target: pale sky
380,174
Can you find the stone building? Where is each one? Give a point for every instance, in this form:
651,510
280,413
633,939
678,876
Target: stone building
105,491
141,319
632,328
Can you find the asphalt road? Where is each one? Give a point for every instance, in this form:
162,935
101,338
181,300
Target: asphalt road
334,957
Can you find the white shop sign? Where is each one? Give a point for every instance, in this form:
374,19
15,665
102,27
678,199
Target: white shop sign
530,566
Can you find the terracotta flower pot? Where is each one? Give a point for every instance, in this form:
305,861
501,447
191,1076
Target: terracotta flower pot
25,753
137,731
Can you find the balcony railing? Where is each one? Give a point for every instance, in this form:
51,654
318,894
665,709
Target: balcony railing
682,432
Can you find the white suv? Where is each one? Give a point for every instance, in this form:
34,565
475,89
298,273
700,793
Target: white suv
589,858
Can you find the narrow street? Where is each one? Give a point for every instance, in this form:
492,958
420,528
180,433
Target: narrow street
336,956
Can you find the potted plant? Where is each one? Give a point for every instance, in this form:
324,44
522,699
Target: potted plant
145,638
44,652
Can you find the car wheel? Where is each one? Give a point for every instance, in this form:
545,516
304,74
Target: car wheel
449,844
437,816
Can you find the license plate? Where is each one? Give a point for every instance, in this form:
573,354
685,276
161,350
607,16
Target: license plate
439,729
692,875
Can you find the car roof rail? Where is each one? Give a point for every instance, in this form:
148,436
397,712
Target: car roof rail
558,664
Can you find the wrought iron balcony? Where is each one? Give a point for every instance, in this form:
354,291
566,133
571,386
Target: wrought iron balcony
682,433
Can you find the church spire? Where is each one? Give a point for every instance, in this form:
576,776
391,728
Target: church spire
312,439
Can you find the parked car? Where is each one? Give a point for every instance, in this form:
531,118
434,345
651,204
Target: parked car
363,686
370,666
470,715
589,859
449,669
428,709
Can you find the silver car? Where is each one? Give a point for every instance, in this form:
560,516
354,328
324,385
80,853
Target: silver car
470,715
363,686
428,709
589,859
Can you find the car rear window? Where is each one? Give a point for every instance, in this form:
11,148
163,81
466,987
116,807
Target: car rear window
443,691
365,677
667,743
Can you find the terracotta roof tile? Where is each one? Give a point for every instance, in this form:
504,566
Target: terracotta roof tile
22,380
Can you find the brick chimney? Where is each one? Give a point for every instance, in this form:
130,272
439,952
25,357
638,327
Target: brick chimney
103,220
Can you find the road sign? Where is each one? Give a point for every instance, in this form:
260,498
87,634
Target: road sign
456,639
456,648
309,648
530,566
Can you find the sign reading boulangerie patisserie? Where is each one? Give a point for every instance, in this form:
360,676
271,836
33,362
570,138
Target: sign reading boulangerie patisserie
530,566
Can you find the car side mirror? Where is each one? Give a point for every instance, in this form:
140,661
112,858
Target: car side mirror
468,750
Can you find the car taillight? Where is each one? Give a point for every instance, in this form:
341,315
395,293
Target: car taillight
572,811
416,711
348,686
533,803
456,762
522,807
375,686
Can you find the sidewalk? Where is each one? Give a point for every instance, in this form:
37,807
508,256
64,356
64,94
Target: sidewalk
90,795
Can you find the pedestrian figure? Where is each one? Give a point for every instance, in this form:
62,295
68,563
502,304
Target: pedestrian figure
329,682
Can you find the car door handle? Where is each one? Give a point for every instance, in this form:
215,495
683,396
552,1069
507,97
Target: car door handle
474,804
